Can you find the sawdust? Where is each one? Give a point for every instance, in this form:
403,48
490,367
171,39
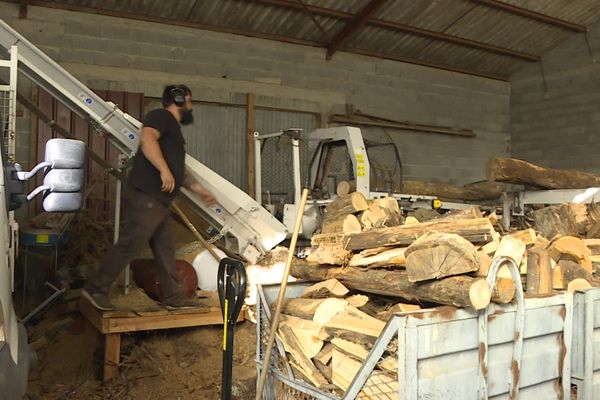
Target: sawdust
167,364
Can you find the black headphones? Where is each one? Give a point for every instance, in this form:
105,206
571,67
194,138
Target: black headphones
178,95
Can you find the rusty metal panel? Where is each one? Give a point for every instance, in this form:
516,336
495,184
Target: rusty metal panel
586,344
439,351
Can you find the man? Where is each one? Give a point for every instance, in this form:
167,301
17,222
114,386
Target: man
157,174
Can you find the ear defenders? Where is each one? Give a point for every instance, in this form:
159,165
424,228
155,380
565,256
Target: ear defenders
178,96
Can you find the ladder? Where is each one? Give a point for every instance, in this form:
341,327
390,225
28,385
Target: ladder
249,229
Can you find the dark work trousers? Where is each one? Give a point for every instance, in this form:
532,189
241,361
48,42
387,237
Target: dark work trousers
147,221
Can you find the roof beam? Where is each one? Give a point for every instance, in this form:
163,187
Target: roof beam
353,25
129,15
326,12
523,12
169,21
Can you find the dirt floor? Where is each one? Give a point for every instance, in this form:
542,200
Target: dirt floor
174,364
167,364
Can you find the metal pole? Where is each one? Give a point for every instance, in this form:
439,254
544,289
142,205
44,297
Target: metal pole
257,169
276,315
57,292
116,229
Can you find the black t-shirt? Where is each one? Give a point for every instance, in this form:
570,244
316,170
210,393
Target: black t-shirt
144,176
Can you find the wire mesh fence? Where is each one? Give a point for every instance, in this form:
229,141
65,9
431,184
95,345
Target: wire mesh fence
6,119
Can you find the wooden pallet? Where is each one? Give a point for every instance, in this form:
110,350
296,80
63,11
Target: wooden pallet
136,312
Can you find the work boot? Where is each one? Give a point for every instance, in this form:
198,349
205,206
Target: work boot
181,303
98,300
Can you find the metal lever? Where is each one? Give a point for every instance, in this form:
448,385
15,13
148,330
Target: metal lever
231,282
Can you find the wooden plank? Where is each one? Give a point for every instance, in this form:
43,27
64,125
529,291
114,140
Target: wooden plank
112,352
475,230
169,321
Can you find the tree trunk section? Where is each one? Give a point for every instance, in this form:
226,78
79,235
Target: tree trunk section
554,221
474,230
472,192
438,255
349,204
458,291
345,187
515,171
341,223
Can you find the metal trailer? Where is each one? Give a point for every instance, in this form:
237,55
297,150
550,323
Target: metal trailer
585,360
440,353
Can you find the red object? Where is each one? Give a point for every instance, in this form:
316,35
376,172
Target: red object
144,275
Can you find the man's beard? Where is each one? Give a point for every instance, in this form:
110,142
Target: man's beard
186,116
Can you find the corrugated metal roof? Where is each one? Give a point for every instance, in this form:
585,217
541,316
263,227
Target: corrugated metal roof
387,32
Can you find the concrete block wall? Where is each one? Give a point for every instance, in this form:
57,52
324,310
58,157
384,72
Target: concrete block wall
119,54
555,106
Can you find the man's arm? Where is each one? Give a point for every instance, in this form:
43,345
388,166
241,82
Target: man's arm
151,150
191,183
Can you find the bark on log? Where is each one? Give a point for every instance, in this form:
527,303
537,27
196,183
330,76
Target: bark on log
515,171
437,255
458,291
539,272
478,230
570,270
472,192
468,213
554,221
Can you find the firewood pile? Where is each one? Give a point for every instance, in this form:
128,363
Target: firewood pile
370,262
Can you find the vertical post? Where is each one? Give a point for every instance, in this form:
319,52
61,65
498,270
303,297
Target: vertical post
257,169
296,167
250,143
112,352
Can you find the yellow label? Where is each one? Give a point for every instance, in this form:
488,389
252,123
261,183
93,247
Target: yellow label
225,325
360,157
42,238
437,203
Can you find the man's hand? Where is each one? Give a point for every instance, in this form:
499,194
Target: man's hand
168,181
206,195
